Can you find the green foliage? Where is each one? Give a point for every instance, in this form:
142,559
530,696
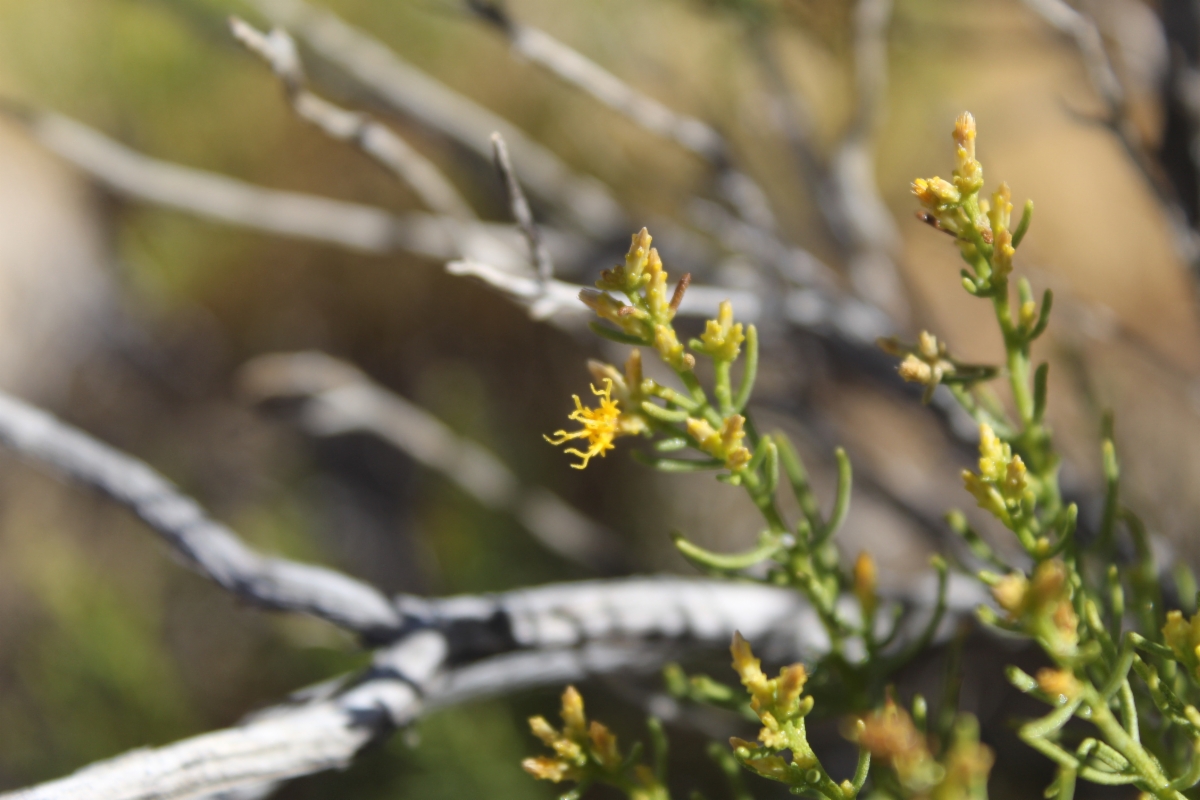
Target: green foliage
587,753
1122,665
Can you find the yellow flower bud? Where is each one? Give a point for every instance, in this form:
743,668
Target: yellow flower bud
543,730
572,713
964,133
865,580
791,685
670,349
927,346
548,769
722,339
748,668
604,746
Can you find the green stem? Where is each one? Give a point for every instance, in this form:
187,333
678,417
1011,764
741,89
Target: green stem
1121,741
722,387
1017,356
749,370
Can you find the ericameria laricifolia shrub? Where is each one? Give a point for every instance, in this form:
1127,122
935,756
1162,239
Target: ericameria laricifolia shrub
1120,663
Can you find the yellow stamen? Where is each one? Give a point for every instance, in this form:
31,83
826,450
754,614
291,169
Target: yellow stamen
600,426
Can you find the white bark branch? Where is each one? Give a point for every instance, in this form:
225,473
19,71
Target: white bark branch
586,201
542,636
338,398
373,138
205,545
1085,34
518,206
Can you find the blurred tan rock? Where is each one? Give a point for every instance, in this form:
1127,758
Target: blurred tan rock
54,287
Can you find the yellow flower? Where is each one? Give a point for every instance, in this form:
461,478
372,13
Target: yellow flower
968,173
1183,637
600,426
1003,479
722,338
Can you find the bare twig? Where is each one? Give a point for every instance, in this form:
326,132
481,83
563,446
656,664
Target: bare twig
338,398
494,257
494,250
217,197
578,70
844,186
1086,35
273,746
555,299
231,201
871,231
378,141
795,119
252,759
205,545
521,212
589,205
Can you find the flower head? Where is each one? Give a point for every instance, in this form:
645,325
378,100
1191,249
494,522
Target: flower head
722,338
1183,637
600,426
968,173
1003,480
927,363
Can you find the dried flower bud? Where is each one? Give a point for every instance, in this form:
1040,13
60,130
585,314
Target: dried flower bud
545,768
1058,683
633,370
1011,593
890,735
791,685
604,746
936,192
928,347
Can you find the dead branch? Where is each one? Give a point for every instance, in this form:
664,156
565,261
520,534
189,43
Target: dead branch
577,70
205,545
1082,30
374,139
408,90
354,226
338,398
521,212
530,637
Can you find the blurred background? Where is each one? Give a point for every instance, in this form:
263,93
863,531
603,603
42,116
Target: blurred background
138,302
